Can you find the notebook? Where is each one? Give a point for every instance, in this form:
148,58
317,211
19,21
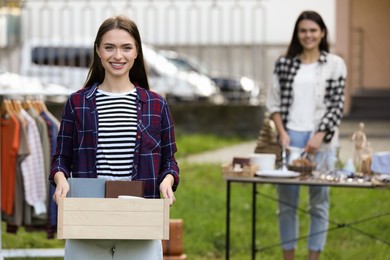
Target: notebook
86,188
129,188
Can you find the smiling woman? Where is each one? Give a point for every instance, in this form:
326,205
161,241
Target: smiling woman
115,128
306,102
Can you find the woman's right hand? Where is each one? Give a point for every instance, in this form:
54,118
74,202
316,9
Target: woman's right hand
284,139
62,186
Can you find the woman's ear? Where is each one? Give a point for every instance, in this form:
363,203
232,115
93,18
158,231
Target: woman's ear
97,50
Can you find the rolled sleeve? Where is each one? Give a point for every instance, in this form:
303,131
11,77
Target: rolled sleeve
62,159
169,164
273,96
334,98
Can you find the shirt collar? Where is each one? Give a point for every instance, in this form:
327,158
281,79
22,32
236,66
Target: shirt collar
322,59
141,92
92,90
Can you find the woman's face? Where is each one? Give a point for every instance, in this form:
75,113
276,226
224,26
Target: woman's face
117,52
309,34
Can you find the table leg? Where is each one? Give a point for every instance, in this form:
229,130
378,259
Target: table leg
227,219
254,221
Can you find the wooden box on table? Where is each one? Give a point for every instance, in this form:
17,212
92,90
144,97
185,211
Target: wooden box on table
239,167
113,218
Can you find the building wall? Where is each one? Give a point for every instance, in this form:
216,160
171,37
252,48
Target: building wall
363,37
342,45
371,34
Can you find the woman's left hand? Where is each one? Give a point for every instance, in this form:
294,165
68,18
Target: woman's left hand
166,188
314,143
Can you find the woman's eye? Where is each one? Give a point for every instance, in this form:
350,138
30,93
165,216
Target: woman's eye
127,48
109,48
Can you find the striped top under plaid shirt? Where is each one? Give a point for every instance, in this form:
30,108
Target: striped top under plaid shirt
155,145
117,114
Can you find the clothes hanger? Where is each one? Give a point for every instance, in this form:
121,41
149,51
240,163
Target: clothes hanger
37,106
27,104
6,109
17,105
9,106
44,107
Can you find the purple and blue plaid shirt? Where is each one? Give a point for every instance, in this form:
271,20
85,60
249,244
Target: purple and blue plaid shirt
154,149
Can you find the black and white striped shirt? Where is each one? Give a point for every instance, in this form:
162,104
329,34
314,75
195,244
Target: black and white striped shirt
116,134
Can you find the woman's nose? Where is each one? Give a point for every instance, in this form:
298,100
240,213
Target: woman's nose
118,54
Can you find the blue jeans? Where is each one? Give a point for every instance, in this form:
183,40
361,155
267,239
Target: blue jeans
288,196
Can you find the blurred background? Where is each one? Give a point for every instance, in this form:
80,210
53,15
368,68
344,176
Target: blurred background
211,59
218,51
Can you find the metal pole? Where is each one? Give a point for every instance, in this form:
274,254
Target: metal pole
227,220
254,192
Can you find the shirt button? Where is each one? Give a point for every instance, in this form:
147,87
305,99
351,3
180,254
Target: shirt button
138,136
137,151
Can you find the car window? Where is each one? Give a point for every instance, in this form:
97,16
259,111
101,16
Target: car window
62,56
182,65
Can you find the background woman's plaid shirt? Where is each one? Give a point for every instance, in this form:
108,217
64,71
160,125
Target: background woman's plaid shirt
286,70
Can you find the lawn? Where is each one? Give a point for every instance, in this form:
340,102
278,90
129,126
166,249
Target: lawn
201,200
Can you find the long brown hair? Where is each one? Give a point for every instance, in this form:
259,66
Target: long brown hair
137,73
295,48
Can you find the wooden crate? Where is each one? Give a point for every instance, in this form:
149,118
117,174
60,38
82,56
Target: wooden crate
246,170
112,218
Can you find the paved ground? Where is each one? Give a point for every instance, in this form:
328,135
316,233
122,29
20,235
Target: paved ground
378,134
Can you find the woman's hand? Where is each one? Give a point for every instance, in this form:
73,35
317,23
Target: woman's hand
166,188
62,186
284,139
314,143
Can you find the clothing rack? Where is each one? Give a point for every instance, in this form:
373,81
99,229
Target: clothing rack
15,253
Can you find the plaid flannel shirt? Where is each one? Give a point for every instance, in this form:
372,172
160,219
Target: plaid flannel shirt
154,149
333,76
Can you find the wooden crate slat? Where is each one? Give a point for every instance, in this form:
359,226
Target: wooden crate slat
113,204
113,232
104,218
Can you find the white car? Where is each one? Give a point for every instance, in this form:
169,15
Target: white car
242,89
166,78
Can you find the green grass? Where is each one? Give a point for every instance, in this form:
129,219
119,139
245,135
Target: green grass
197,143
201,203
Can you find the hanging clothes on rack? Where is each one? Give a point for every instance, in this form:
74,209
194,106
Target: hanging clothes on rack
9,151
34,111
16,219
24,214
38,130
53,125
